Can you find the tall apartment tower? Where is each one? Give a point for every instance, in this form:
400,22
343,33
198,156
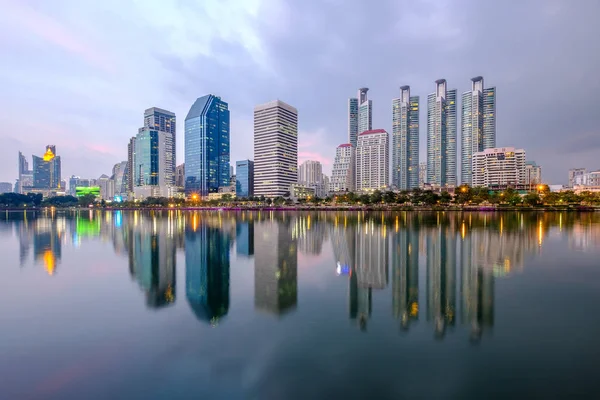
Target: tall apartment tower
352,121
441,135
207,146
372,160
478,125
405,140
342,173
130,160
275,148
365,111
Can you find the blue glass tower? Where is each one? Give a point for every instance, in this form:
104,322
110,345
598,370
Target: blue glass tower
244,178
207,146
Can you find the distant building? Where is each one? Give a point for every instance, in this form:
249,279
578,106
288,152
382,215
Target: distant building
6,187
119,177
207,146
310,174
326,184
441,135
152,169
244,237
587,179
275,148
478,125
372,160
499,166
231,171
47,170
130,164
180,175
342,174
107,187
298,191
244,178
405,140
574,173
164,121
25,180
422,174
533,173
360,115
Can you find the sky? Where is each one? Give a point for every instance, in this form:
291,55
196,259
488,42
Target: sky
79,74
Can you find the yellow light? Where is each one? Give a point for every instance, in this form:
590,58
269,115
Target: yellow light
49,155
49,262
540,187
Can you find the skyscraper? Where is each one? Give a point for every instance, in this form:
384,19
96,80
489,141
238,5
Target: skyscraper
478,125
207,146
365,111
275,148
130,159
352,121
244,178
46,170
164,121
153,174
342,173
405,140
372,160
441,136
25,175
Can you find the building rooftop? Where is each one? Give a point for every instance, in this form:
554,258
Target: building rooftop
345,145
372,131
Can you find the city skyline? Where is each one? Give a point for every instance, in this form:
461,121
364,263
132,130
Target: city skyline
275,64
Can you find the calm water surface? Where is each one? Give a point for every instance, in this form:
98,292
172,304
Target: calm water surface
289,305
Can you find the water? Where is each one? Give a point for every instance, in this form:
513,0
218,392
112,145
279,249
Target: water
287,305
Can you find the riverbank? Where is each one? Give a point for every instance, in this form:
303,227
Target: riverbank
315,208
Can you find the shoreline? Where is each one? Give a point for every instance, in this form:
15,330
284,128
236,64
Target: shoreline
312,208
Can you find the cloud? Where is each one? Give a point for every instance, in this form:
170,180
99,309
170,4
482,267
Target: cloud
125,57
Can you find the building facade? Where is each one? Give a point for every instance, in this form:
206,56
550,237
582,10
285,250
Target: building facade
25,175
352,121
119,176
310,173
422,174
130,166
152,165
365,111
275,148
533,173
372,160
244,178
405,140
164,121
574,173
499,166
207,146
47,170
441,136
6,187
342,174
478,125
180,175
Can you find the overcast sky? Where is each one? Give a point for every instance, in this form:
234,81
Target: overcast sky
79,74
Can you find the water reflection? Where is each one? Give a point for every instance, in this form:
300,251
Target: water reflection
445,262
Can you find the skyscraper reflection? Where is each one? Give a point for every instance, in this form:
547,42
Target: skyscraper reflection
275,264
153,260
405,272
207,271
244,241
441,278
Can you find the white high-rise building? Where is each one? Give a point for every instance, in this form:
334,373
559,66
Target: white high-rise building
499,166
275,148
372,160
342,174
310,173
478,124
441,136
533,173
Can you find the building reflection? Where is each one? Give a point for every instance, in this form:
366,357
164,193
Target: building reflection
207,270
275,264
405,270
311,231
244,238
152,259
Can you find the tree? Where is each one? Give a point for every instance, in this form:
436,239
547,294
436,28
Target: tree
278,201
511,196
389,197
268,200
376,197
430,198
315,199
35,198
532,199
226,198
364,199
351,197
464,194
86,200
551,198
445,198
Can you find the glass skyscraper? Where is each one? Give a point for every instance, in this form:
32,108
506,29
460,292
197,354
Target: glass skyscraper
46,170
441,136
207,146
244,178
405,140
352,121
146,158
164,121
478,125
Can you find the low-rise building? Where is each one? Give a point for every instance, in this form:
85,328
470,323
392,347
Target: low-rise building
499,166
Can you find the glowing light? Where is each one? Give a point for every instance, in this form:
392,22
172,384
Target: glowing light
48,155
49,262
